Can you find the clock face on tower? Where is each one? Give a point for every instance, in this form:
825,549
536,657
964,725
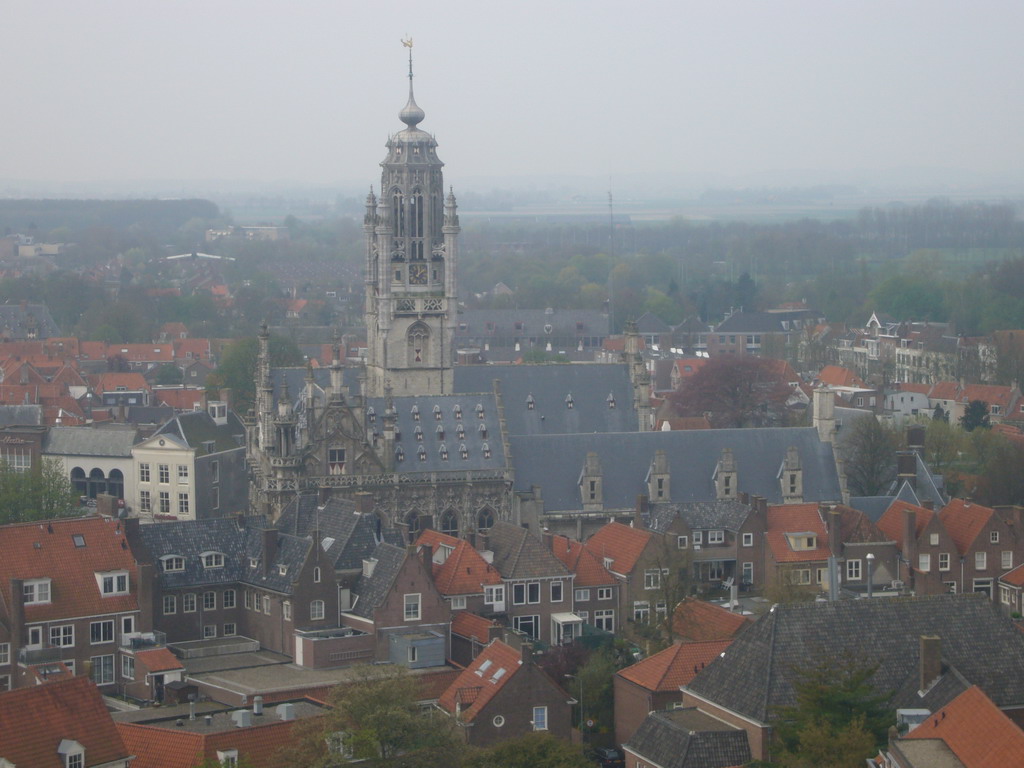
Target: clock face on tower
417,274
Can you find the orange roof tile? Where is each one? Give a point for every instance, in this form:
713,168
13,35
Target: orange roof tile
675,666
837,376
697,620
976,730
944,390
199,348
1014,577
466,624
621,543
47,550
796,518
112,382
157,747
582,562
159,660
480,681
180,398
964,521
990,394
44,715
465,572
891,521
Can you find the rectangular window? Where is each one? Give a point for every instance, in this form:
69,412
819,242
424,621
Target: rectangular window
933,539
458,602
37,591
103,669
213,560
266,604
229,598
5,655
980,561
316,610
183,473
165,473
127,625
145,502
62,636
641,611
853,570
209,601
582,595
944,561
209,630
556,591
215,497
128,667
188,602
682,542
5,682
412,607
528,625
924,563
716,537
144,472
698,537
183,505
173,563
1006,559
652,578
114,584
993,537
165,502
214,471
604,593
605,619
495,594
230,630
540,718
170,604
748,539
747,573
286,610
248,600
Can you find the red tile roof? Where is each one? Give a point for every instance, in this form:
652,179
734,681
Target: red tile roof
465,572
466,624
199,349
621,543
582,562
891,521
675,666
157,747
180,398
696,620
990,394
73,589
976,730
944,390
796,518
44,715
111,382
965,520
837,376
480,681
1014,577
159,660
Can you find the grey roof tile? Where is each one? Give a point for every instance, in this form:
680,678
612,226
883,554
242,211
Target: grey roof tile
518,554
374,589
688,738
85,441
700,515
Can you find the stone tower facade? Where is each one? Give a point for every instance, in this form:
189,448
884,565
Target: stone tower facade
411,257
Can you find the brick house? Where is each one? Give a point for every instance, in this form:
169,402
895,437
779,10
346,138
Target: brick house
654,683
697,621
797,546
634,557
504,694
595,591
462,575
60,725
1011,591
538,587
985,542
71,593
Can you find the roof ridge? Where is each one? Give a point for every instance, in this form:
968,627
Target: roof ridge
771,657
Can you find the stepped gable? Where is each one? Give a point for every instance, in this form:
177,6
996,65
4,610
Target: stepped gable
756,674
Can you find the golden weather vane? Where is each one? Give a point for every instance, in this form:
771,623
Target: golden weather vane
407,42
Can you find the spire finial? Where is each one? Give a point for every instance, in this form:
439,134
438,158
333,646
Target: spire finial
411,115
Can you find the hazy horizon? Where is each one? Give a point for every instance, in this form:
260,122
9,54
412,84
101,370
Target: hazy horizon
150,98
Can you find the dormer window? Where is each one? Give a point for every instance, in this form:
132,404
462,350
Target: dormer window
422,452
371,414
172,563
418,432
113,583
568,401
399,454
254,562
460,431
482,431
416,413
36,591
282,570
212,559
611,401
444,452
457,411
530,403
487,451
72,753
463,451
440,431
479,410
437,412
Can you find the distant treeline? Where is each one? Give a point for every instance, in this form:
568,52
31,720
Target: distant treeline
160,218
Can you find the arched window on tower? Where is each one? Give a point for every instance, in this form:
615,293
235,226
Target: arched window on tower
450,523
419,341
484,519
398,213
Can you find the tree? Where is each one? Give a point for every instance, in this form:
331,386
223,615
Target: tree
870,456
838,717
534,750
41,493
975,416
237,370
376,720
943,443
168,374
736,391
672,586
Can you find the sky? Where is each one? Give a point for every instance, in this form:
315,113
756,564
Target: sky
709,93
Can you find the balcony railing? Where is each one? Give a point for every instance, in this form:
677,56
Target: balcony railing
137,641
48,654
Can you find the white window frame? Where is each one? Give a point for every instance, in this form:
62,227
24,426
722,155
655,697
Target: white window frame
127,666
605,619
212,559
748,539
853,570
316,610
209,631
533,620
36,591
993,537
716,537
494,593
924,562
933,539
652,578
113,583
980,561
189,602
412,606
943,561
144,472
682,542
5,655
183,473
582,595
458,602
209,600
557,591
286,610
164,473
747,573
1006,559
172,563
604,593
62,635
540,719
170,605
229,599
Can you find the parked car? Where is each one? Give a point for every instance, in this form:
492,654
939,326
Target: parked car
608,757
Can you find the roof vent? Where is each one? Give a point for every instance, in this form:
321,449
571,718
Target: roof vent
242,718
286,711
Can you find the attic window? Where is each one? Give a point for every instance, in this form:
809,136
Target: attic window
484,667
482,430
422,452
460,431
416,413
254,562
371,414
500,673
479,410
437,412
212,559
172,563
79,539
399,454
611,401
487,451
282,570
444,452
440,431
457,410
530,403
568,401
463,451
418,432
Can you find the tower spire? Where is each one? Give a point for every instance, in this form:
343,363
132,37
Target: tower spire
411,114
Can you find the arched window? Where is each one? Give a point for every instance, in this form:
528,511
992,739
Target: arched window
398,213
418,341
78,481
97,483
484,519
115,483
450,523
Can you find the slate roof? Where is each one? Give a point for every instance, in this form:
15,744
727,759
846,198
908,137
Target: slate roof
83,441
688,738
44,715
479,682
345,535
198,427
423,432
622,543
481,324
756,674
48,550
240,542
977,732
553,462
20,415
518,554
725,515
588,384
374,589
17,319
926,485
677,665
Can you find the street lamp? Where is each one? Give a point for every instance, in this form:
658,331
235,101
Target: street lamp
583,737
871,562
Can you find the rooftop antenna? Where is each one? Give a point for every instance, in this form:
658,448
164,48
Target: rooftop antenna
611,254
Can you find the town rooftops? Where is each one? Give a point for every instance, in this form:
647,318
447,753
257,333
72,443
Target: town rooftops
965,520
374,589
688,738
891,523
677,665
698,620
518,554
580,561
79,441
618,546
796,533
481,680
458,568
469,625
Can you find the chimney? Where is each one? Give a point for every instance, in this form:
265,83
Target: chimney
494,632
364,503
928,504
906,464
549,540
832,523
641,510
909,536
427,555
269,548
930,660
257,706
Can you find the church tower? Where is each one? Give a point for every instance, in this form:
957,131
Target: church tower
411,255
